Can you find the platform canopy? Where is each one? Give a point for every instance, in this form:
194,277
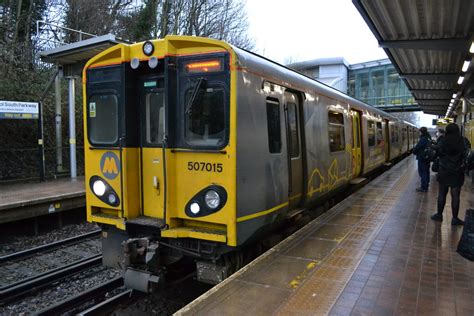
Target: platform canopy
428,42
72,57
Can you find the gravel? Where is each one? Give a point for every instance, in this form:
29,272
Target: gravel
19,243
59,291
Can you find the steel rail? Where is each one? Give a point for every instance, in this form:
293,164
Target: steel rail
37,282
107,306
81,298
57,244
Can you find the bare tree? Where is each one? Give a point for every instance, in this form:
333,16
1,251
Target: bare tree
220,19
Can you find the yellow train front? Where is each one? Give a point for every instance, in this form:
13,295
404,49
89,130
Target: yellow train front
195,149
160,154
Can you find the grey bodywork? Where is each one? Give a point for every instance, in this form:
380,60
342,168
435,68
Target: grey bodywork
263,177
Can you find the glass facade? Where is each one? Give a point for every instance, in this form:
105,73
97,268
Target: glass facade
379,86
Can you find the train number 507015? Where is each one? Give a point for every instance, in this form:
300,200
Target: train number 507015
205,166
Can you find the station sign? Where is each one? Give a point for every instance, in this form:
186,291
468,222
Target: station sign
19,110
445,121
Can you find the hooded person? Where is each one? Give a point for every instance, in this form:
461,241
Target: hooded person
451,151
423,163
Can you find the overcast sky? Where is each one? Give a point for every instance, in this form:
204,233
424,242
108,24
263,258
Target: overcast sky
296,30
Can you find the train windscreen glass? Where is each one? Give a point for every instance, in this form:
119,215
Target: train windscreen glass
205,116
103,119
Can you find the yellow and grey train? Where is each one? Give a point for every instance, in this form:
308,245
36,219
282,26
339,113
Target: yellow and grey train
194,148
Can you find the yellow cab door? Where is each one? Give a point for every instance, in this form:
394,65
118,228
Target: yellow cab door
357,146
152,122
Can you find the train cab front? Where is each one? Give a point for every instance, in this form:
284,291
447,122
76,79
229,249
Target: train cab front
159,154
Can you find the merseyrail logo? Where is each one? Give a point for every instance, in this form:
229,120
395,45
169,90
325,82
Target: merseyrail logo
109,165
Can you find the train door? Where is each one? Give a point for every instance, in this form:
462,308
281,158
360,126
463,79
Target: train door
295,160
152,129
387,140
357,144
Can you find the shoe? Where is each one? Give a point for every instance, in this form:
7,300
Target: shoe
456,221
438,217
421,190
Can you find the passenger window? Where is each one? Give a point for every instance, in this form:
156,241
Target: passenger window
154,108
273,125
205,118
404,134
293,125
379,133
336,131
371,133
103,119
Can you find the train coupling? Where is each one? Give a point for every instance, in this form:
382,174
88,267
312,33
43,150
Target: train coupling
142,266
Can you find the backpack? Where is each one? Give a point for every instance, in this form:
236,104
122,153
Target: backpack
469,160
429,152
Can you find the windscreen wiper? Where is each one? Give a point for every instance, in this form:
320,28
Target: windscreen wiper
201,83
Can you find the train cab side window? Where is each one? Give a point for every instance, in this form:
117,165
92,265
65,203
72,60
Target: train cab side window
379,133
371,133
336,131
103,119
155,111
274,125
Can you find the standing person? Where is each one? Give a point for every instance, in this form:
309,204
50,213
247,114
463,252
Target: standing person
451,151
423,163
440,135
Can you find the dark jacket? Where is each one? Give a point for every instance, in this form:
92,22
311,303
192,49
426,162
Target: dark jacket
452,152
420,146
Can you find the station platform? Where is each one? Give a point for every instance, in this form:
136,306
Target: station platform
375,253
26,200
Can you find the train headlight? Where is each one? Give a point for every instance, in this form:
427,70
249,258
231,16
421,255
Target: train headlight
148,48
104,191
135,63
207,201
195,208
112,198
212,199
99,187
153,62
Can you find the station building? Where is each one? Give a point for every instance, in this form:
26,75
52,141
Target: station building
374,82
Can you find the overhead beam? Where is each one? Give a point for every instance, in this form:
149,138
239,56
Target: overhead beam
440,76
450,91
399,108
439,103
443,44
436,100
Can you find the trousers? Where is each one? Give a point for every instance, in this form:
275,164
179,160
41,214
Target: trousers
424,172
455,198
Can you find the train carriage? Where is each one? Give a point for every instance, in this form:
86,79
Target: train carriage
194,148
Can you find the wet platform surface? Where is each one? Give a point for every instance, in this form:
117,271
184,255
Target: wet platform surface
26,200
376,253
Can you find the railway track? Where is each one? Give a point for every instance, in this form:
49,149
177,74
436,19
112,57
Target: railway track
50,246
33,269
92,296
